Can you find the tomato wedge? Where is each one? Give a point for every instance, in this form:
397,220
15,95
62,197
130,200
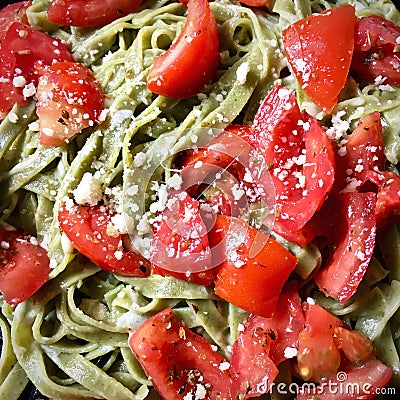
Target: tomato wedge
376,50
11,13
353,242
252,369
70,99
180,244
180,362
265,342
24,266
363,152
92,13
320,54
327,344
248,262
180,72
92,233
298,155
22,50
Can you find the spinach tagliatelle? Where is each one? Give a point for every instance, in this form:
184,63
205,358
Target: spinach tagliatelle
70,338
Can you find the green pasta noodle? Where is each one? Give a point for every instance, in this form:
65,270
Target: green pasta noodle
71,338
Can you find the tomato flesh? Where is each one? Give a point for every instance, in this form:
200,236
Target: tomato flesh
302,171
318,56
92,233
180,72
263,343
248,263
70,99
92,13
354,242
376,51
22,51
252,369
180,244
11,13
179,361
25,266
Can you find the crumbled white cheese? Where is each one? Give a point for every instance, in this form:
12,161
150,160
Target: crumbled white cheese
242,72
175,182
88,191
290,352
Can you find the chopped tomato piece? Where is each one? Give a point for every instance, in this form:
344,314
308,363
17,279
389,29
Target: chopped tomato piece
299,157
376,50
353,242
356,347
326,342
22,51
387,209
252,369
92,13
11,13
24,266
258,3
318,356
321,60
180,72
91,231
363,153
180,362
265,342
70,99
180,244
248,262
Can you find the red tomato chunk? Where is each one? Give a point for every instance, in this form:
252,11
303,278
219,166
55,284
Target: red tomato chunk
179,361
318,56
92,233
89,13
22,51
180,72
70,99
24,266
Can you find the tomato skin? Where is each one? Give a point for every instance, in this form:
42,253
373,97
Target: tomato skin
10,13
248,262
89,14
302,171
177,359
88,228
69,99
180,72
22,50
353,242
25,266
376,50
180,244
315,54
